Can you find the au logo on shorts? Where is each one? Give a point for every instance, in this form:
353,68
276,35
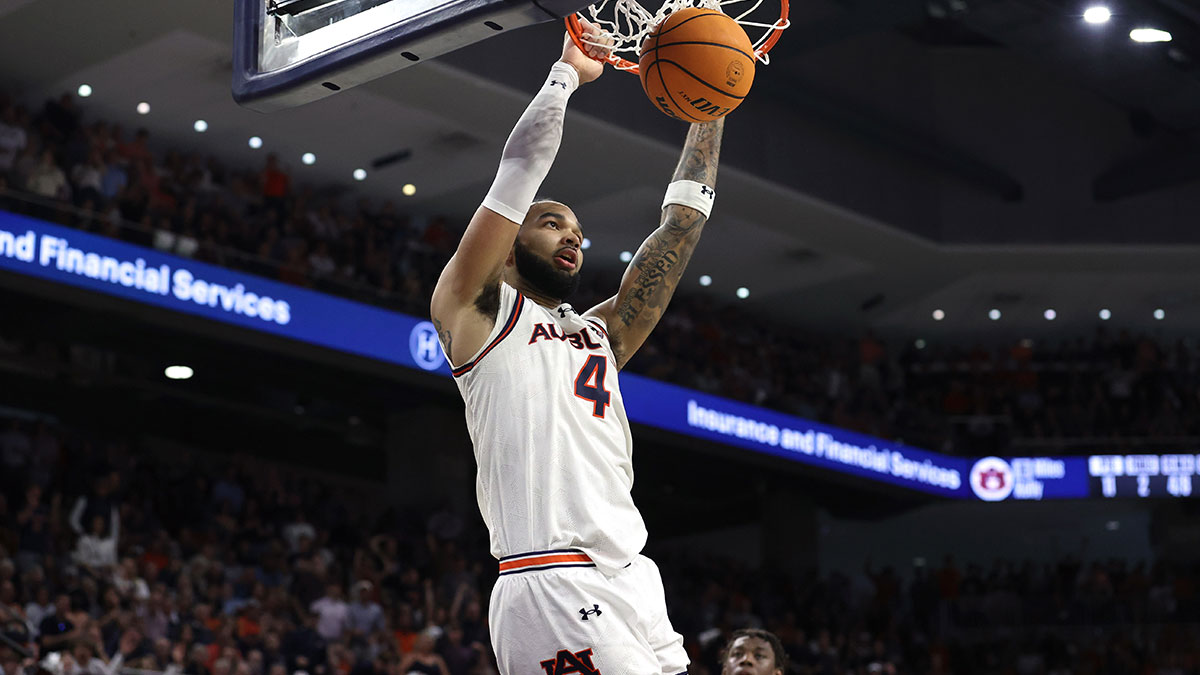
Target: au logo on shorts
570,662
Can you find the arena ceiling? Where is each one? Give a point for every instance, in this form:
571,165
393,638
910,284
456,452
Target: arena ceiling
897,156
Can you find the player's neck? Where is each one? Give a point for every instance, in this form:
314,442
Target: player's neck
532,293
540,298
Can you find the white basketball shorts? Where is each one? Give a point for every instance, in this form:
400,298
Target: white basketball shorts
554,613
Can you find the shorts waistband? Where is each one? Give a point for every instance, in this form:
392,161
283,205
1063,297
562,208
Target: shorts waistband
544,560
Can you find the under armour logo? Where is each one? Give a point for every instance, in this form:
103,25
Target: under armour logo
584,612
707,191
562,311
556,83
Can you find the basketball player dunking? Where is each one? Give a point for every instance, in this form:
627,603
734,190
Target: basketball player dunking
544,408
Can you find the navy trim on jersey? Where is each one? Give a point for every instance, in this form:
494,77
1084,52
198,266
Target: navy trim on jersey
508,327
597,325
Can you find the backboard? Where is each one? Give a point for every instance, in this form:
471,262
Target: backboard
289,52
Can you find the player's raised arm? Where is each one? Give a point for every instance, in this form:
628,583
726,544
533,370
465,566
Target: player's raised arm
652,276
469,286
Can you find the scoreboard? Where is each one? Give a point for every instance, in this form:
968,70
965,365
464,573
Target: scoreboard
1142,476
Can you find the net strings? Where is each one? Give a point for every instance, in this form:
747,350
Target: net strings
626,23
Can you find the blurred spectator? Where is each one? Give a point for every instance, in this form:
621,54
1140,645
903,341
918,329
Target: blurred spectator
365,616
88,180
275,185
332,613
12,137
422,659
135,153
47,179
96,549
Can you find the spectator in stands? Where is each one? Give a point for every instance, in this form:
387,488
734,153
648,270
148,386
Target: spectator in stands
35,520
16,454
57,631
135,153
275,185
12,138
60,118
48,180
87,178
332,613
364,616
423,659
96,549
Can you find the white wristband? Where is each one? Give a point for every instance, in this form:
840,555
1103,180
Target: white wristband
691,194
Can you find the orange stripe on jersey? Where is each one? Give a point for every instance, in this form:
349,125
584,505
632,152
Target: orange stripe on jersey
538,561
508,327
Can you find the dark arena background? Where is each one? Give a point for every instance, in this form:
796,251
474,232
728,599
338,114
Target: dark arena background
927,399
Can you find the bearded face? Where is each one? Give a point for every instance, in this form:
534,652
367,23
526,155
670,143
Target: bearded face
542,275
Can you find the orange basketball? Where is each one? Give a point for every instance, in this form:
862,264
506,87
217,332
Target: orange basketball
697,65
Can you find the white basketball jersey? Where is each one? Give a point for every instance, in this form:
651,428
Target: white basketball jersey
551,438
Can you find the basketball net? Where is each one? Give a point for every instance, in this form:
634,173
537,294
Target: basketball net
626,23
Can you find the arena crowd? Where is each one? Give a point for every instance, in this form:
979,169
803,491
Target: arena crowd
117,559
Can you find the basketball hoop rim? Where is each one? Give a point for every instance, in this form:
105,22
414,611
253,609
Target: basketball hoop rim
575,30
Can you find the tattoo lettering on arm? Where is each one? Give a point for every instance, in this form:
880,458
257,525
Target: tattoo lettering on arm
652,277
443,335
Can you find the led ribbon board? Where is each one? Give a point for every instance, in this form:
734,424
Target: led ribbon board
38,249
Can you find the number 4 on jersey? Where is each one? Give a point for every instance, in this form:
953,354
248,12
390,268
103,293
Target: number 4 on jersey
589,384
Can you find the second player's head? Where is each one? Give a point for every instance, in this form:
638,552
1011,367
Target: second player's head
753,651
548,251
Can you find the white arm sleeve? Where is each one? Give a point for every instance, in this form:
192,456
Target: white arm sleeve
531,147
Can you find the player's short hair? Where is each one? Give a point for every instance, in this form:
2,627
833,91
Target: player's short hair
781,657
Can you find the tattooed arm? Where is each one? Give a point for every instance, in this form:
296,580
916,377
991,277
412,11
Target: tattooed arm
651,278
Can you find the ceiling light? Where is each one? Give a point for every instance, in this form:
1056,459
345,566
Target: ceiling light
920,344
994,314
178,373
705,280
1105,315
409,189
626,256
255,142
743,292
1097,14
585,244
143,108
309,158
1112,525
360,174
938,315
85,90
200,126
1159,314
1149,35
1050,314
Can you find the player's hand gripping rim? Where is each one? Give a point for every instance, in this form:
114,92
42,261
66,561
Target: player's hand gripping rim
589,62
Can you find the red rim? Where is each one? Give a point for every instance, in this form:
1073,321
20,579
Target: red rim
575,29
